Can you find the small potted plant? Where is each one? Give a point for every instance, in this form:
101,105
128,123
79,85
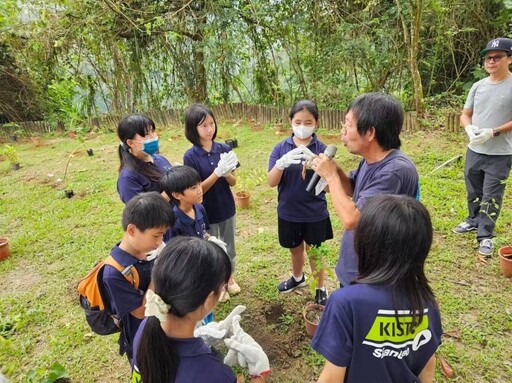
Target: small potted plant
13,130
9,151
246,181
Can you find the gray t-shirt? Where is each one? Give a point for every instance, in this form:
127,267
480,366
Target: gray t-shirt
492,107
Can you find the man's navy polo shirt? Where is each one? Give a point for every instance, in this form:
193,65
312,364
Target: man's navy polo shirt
189,227
131,183
124,298
218,200
295,204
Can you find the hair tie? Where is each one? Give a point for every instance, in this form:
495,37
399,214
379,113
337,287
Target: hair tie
155,306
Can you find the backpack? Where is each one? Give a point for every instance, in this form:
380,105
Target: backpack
94,298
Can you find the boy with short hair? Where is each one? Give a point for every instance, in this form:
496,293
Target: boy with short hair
146,217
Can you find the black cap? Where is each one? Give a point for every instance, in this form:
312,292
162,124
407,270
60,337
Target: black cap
500,44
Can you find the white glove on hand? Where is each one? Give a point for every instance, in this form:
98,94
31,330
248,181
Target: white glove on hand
218,242
246,351
307,154
472,131
294,156
483,135
213,332
226,165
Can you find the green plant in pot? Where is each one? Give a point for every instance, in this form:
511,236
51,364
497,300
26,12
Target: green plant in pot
246,181
9,151
13,130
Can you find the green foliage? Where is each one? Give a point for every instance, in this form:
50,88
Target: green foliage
247,180
55,373
10,152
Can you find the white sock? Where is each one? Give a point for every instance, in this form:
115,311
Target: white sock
321,288
299,278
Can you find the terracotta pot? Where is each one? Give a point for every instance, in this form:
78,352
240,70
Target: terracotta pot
242,199
311,324
4,248
505,254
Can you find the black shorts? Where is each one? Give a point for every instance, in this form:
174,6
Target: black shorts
292,234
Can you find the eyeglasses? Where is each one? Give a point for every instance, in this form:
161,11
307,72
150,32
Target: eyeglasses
496,58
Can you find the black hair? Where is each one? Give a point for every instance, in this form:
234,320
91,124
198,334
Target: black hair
194,116
382,112
392,240
309,105
127,128
147,211
187,270
177,179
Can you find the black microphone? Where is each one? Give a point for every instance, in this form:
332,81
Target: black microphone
330,152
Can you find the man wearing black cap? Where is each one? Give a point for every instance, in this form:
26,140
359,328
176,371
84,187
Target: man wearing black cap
487,119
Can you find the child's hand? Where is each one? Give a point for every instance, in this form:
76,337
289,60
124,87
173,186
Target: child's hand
226,164
294,156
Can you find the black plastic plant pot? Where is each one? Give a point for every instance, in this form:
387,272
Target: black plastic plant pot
14,138
231,143
90,152
235,143
15,166
69,193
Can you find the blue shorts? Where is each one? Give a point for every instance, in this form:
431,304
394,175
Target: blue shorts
292,234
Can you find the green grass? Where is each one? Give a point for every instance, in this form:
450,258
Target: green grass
55,241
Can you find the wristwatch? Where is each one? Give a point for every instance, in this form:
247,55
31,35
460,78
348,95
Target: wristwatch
495,132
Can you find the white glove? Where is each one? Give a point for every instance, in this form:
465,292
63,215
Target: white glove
226,165
294,156
218,242
320,186
246,351
472,131
155,253
307,154
484,135
214,332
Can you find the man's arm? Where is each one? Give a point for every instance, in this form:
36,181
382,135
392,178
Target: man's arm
466,117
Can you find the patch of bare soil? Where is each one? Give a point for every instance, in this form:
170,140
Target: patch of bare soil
19,279
282,340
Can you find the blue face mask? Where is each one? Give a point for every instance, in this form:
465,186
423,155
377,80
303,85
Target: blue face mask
150,146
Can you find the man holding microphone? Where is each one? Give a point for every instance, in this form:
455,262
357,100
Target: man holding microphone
372,128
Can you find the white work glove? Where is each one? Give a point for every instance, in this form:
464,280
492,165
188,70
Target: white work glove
472,131
320,186
218,242
213,332
155,253
294,156
245,351
227,164
483,135
307,154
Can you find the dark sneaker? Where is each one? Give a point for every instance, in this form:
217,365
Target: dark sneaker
321,297
486,247
463,228
291,284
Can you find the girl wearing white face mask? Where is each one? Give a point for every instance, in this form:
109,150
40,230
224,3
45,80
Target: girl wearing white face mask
303,219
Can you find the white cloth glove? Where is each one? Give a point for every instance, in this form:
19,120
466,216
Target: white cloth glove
320,186
472,131
155,253
245,351
483,135
307,154
218,242
214,332
294,156
227,164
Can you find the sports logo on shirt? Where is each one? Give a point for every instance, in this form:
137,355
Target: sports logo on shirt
392,338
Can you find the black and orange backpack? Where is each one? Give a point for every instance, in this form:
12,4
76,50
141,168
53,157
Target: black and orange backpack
94,298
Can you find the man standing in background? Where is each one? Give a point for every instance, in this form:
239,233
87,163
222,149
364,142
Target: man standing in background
487,119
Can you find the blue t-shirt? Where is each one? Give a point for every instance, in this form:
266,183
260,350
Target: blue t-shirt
295,204
189,227
358,330
218,200
131,183
395,174
197,362
123,297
